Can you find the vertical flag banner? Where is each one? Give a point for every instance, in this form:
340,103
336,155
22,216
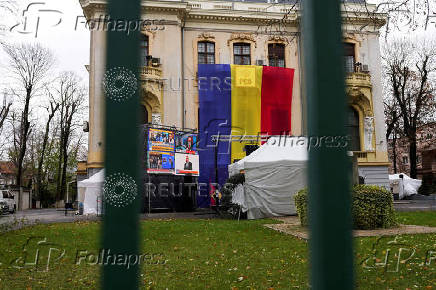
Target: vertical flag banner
214,91
276,102
238,100
246,94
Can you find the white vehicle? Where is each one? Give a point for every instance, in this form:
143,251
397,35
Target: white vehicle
8,198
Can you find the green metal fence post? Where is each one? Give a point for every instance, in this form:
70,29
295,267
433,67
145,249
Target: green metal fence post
122,188
328,174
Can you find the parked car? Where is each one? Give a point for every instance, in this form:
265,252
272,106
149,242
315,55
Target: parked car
4,208
8,198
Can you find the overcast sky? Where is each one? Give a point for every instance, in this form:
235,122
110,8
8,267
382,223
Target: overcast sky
56,30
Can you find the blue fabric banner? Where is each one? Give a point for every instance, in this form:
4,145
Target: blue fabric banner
214,90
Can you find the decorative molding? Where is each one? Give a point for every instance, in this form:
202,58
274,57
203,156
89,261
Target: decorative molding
260,20
358,98
278,39
205,36
244,37
156,119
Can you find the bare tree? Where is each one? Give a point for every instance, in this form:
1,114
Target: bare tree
71,97
4,110
393,120
51,113
29,65
410,102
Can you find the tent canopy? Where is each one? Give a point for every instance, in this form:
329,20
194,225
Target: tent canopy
90,192
273,174
276,149
94,181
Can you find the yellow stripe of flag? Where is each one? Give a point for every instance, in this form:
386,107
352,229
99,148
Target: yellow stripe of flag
246,101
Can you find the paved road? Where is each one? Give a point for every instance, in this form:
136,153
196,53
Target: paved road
58,216
415,205
43,216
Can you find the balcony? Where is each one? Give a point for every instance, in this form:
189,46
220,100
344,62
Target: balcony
365,156
358,79
150,73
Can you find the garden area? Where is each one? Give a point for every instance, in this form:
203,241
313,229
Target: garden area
211,254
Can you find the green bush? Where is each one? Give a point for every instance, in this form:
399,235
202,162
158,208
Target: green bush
301,202
372,207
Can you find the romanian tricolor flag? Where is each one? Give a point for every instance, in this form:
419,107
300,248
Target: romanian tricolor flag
239,100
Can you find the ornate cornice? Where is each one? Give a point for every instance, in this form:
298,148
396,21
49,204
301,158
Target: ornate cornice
259,14
374,21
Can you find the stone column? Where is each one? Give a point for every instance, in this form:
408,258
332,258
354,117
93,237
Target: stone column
96,101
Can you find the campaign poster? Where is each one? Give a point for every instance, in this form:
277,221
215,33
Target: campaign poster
160,140
187,164
160,162
186,142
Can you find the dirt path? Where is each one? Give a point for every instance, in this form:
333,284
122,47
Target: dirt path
291,226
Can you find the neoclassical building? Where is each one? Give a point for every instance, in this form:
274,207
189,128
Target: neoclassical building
179,35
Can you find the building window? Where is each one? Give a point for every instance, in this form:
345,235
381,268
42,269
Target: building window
144,49
405,160
276,54
241,53
349,57
353,129
206,52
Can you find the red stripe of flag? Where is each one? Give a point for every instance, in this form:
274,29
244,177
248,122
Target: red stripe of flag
276,101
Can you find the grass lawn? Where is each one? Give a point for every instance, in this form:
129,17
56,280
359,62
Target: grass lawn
215,254
422,218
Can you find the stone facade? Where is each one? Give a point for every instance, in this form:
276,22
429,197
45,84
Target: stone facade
169,88
7,173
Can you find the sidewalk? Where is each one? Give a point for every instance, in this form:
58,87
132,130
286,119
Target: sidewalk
415,205
52,215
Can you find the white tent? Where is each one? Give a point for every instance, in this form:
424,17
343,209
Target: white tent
273,174
90,193
406,186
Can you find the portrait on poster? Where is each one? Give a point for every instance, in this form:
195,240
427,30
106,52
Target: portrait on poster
187,164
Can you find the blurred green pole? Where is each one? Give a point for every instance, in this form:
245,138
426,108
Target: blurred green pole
122,159
331,255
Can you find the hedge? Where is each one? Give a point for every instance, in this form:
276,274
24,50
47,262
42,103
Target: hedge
372,207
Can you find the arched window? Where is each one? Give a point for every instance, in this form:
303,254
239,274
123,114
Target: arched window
353,129
206,52
143,118
144,49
